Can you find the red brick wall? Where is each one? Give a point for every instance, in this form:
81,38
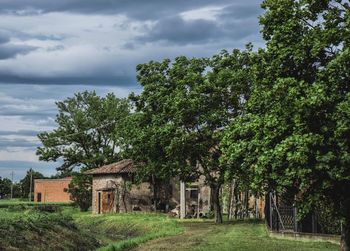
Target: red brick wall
52,190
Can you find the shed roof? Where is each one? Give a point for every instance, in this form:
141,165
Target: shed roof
123,166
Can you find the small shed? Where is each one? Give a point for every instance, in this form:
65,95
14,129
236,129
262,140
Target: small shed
113,189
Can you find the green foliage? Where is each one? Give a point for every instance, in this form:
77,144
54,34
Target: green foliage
80,190
294,136
27,181
179,117
88,133
5,187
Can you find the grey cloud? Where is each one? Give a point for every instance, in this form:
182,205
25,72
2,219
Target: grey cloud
10,50
178,31
20,132
4,37
137,9
97,80
22,143
239,11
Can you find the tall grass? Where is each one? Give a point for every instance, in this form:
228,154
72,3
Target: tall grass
129,230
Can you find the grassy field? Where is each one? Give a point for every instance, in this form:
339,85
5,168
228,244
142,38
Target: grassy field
28,229
124,231
14,202
239,236
24,228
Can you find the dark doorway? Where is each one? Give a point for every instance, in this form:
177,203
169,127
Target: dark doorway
99,203
38,197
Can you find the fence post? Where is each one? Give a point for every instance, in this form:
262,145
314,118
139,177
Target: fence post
271,213
295,213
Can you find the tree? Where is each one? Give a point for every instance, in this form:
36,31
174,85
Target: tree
80,190
294,136
28,180
88,136
5,187
88,132
180,114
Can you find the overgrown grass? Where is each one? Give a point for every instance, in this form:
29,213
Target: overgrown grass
24,228
29,229
124,231
4,203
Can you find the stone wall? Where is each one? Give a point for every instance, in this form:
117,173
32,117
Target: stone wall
140,197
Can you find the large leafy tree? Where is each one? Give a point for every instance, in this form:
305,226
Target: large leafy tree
295,134
88,134
181,112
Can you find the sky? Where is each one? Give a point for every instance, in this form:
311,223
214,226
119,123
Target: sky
50,50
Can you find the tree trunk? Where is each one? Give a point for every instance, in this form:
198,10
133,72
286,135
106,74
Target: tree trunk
232,203
345,235
216,203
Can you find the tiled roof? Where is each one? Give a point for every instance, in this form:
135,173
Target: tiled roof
123,166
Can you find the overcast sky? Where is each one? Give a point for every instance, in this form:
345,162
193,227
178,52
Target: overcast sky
52,49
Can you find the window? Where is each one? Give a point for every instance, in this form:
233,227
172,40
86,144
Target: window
194,193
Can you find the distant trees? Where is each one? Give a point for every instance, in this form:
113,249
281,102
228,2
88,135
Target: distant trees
28,181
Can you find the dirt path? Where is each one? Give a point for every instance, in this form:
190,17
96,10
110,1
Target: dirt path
194,234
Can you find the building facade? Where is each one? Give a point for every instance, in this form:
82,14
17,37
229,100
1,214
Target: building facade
51,190
113,190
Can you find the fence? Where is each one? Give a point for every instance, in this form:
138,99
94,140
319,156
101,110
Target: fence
282,217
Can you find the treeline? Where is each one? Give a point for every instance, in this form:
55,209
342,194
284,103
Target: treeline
274,119
19,189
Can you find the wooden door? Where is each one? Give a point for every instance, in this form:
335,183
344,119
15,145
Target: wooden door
107,201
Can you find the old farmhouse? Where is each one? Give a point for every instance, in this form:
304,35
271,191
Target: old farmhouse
114,191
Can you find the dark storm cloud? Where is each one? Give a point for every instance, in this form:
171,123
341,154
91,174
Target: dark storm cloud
136,9
99,79
10,50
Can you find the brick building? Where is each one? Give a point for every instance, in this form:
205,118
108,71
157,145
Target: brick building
51,190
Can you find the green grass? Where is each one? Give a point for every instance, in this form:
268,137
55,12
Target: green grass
23,228
124,231
247,236
15,202
29,229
